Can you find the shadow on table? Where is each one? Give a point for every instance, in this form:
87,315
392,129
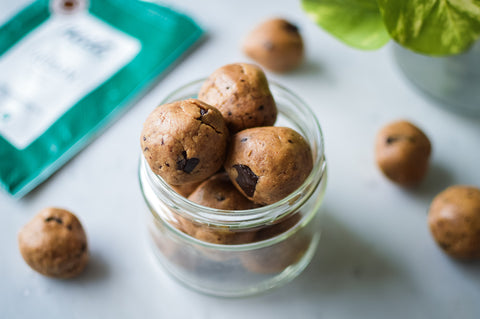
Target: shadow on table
438,178
345,267
344,262
96,271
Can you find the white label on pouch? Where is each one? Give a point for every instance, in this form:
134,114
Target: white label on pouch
55,66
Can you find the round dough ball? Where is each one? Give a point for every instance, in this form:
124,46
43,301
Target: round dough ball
215,235
240,92
184,142
278,228
276,258
186,189
276,44
268,163
54,243
219,192
402,152
224,236
454,220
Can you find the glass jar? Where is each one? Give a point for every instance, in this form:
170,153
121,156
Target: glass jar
452,80
263,247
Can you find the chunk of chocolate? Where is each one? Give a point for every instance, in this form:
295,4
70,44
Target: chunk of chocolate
246,179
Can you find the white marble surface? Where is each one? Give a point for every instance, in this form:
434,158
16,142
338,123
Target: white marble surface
376,259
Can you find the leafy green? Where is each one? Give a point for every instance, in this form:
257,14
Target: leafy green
358,23
435,27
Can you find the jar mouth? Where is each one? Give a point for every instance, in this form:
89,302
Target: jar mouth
257,216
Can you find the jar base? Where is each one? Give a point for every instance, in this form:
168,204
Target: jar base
264,284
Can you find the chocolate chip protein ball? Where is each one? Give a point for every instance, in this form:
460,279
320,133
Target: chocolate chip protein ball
276,258
277,228
268,163
219,192
454,220
402,153
54,243
184,142
275,44
224,236
241,93
186,189
212,234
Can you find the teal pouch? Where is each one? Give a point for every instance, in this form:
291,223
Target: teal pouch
69,67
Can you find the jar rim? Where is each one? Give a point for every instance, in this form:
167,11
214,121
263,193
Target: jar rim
256,216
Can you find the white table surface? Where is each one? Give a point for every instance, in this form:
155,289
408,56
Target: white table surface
376,259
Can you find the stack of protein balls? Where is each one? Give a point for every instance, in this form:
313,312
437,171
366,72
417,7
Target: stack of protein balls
221,150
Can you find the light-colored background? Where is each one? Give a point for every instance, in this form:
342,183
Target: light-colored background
376,259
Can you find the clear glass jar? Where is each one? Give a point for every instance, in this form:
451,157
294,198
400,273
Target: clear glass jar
452,80
267,246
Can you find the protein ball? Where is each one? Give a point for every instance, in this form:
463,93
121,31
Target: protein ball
54,243
219,192
402,153
278,227
268,163
214,234
241,93
275,44
186,189
454,220
276,258
185,141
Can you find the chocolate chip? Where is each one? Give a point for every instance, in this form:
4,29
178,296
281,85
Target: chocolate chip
246,179
58,220
391,139
191,164
182,161
242,80
84,247
290,27
168,165
203,112
144,138
445,246
244,139
162,143
187,165
260,108
227,88
145,149
229,113
220,197
290,141
69,227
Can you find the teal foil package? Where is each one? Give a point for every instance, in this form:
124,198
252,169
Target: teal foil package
69,67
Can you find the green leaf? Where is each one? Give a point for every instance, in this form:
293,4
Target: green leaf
435,27
358,23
